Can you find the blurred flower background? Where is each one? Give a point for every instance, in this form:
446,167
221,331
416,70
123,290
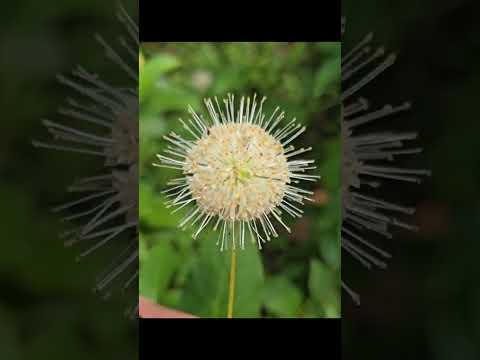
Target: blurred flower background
295,275
426,305
47,307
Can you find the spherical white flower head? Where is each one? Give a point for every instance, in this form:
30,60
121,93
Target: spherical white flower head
237,170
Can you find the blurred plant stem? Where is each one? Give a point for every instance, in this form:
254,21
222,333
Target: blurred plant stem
231,292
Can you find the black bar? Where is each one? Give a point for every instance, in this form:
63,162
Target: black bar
240,21
156,336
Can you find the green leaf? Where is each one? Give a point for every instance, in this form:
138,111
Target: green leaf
329,48
229,79
151,127
323,284
206,289
327,76
157,270
331,168
330,250
281,297
249,284
143,250
152,208
311,310
171,298
152,71
167,97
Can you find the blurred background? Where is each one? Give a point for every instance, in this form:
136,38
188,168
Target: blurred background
426,305
47,307
296,275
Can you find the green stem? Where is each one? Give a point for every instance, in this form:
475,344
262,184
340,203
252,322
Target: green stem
231,291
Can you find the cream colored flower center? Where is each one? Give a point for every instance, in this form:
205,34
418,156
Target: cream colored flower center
237,172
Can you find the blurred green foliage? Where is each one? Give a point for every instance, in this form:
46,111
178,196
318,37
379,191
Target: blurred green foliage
295,275
47,307
427,304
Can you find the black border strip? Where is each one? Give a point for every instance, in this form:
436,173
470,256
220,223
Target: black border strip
158,335
240,22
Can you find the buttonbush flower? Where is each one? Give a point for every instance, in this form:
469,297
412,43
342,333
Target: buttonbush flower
239,171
